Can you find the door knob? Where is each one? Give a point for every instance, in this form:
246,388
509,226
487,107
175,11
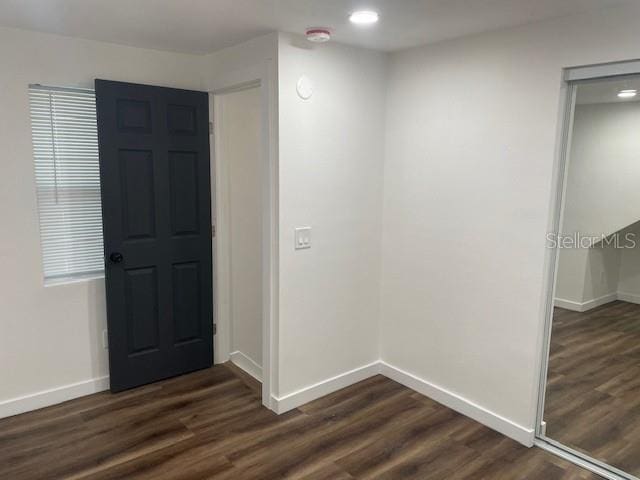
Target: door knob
116,257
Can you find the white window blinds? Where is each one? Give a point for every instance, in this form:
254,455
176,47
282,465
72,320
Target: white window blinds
65,150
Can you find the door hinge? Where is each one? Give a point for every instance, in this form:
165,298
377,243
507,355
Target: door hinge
215,328
210,128
213,231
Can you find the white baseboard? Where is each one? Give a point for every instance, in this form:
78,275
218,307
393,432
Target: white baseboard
585,306
567,304
293,400
459,404
290,401
629,297
596,302
448,399
244,362
54,396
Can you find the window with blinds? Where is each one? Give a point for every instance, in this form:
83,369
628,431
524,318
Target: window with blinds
65,150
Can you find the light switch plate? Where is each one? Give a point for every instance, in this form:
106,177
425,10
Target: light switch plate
302,238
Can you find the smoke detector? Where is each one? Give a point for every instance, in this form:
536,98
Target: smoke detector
318,35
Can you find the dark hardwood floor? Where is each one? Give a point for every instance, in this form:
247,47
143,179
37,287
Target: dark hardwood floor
593,392
211,425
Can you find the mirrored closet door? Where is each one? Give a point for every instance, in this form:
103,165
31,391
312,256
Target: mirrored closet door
592,402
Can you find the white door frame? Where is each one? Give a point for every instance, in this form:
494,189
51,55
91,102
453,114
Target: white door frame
262,77
571,77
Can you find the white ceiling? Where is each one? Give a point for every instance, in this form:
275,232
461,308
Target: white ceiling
203,26
606,91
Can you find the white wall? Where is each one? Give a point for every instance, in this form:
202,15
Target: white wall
331,163
602,194
52,337
629,275
240,149
587,277
471,139
257,53
601,198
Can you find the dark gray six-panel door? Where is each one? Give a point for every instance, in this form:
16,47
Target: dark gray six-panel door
156,208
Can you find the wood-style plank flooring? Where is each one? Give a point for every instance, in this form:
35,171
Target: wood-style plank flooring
593,388
211,425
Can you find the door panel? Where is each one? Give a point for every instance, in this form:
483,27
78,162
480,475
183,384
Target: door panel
156,201
141,297
184,193
186,302
138,198
134,116
182,120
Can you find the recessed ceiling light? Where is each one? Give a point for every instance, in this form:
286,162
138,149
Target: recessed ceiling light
364,17
627,93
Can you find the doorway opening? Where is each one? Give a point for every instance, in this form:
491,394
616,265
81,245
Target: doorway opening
245,223
239,180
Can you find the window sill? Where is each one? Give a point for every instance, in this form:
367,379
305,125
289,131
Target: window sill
54,282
